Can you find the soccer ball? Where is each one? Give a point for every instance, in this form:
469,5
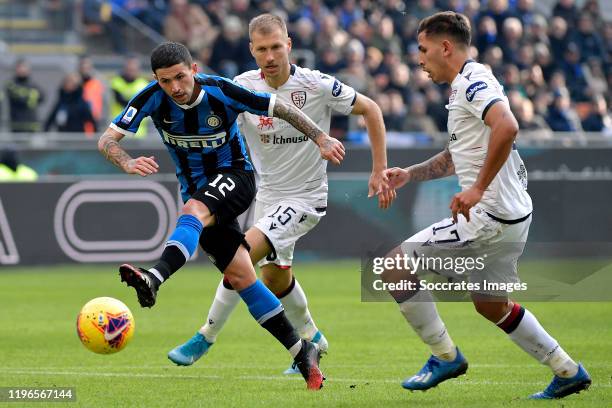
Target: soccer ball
105,325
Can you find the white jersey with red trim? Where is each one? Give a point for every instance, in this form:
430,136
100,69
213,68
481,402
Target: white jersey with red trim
473,91
289,164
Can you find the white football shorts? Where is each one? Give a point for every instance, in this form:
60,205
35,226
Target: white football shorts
283,223
482,249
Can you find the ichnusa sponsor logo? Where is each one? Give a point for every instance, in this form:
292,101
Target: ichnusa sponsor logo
277,139
471,91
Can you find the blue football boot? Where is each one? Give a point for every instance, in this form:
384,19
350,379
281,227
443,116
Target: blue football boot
562,387
188,353
435,371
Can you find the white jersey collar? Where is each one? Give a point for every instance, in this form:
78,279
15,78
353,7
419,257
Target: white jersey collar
195,103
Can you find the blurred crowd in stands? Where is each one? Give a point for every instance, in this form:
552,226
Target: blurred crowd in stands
555,64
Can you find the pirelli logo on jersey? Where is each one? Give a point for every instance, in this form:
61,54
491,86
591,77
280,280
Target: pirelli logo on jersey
187,141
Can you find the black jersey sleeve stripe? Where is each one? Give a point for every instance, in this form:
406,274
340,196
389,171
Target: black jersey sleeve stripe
244,96
191,121
186,171
210,160
217,107
162,113
143,97
238,159
486,109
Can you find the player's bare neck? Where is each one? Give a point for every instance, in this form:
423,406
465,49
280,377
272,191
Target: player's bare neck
195,94
280,79
455,64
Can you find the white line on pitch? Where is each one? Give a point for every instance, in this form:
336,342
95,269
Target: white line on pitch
264,377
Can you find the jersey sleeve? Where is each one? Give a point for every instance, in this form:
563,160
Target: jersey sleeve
480,94
338,96
242,99
138,108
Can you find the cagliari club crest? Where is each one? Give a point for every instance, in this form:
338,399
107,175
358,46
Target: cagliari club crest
298,98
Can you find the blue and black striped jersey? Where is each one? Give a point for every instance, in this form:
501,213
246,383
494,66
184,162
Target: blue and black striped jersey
201,137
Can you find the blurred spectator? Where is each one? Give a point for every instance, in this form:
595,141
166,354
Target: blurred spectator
330,35
499,11
124,86
567,10
93,91
188,24
530,121
330,62
592,9
486,34
315,11
348,13
558,38
561,116
384,37
424,8
417,119
588,41
524,10
512,80
599,119
24,98
12,169
355,73
538,30
399,80
371,45
71,112
511,41
436,108
303,35
575,74
595,77
494,58
230,53
544,60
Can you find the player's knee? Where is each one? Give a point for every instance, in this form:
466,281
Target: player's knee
276,279
199,210
240,273
492,310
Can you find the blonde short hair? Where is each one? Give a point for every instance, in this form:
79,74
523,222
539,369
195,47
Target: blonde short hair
265,24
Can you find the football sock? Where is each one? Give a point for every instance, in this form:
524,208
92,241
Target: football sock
296,309
179,248
525,330
223,304
421,313
268,311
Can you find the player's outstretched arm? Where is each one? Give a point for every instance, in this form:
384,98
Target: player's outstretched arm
379,182
331,148
440,165
504,129
109,146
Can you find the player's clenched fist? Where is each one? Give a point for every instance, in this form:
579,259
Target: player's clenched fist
331,148
397,176
143,166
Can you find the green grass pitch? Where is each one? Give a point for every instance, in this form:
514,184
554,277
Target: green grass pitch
371,347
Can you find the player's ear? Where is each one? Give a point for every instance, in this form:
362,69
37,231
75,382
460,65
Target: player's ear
447,48
289,44
251,49
194,68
